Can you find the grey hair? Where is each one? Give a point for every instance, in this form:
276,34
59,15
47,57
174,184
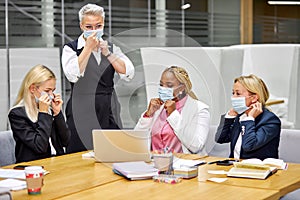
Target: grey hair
90,9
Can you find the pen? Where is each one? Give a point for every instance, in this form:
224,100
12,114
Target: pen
202,163
196,165
217,161
213,162
222,161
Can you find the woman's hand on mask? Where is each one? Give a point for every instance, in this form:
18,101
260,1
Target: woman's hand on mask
92,42
170,106
154,105
104,47
232,112
255,109
44,103
56,104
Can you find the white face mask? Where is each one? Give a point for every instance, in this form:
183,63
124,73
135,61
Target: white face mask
88,33
239,104
50,97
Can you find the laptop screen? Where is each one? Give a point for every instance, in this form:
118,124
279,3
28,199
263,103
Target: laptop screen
121,145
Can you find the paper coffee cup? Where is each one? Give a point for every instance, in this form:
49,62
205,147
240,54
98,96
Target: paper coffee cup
34,179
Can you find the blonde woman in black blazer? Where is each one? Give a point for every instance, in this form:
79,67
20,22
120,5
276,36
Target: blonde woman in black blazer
36,120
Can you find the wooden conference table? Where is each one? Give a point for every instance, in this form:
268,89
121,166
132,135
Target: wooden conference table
72,177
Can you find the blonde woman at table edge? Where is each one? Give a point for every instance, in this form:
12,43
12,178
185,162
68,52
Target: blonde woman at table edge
36,119
252,129
177,120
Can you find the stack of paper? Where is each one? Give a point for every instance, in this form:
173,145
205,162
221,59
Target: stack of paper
135,170
13,184
12,173
184,163
15,173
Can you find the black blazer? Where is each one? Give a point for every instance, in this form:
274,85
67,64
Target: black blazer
32,138
260,139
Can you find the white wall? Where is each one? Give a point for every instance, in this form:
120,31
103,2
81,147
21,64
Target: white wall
213,69
204,66
3,89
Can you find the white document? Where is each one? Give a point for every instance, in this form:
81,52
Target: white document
181,163
12,173
217,180
216,171
90,154
13,184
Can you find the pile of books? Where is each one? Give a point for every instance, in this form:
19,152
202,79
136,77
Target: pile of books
138,170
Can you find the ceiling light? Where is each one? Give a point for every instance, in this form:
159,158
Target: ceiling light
185,6
284,2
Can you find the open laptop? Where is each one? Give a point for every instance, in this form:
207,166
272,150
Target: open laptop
121,145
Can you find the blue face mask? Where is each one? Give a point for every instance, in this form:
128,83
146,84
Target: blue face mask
239,104
42,93
36,99
49,95
165,93
99,34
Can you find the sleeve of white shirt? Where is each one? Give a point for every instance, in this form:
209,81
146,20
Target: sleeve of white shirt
128,64
70,65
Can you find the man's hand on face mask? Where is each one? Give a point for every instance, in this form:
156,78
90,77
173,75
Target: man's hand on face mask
170,106
92,42
154,105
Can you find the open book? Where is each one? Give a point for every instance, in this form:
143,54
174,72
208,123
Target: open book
272,162
251,170
135,170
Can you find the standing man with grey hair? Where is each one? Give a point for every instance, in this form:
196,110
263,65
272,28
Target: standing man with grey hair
89,63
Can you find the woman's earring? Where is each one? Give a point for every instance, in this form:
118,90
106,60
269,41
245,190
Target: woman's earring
180,94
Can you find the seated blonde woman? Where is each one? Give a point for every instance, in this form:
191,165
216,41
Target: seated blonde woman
252,130
177,120
36,119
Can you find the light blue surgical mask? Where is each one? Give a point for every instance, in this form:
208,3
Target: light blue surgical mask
49,95
239,104
165,93
88,33
36,99
42,93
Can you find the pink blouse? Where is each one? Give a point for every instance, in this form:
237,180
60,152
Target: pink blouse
162,133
